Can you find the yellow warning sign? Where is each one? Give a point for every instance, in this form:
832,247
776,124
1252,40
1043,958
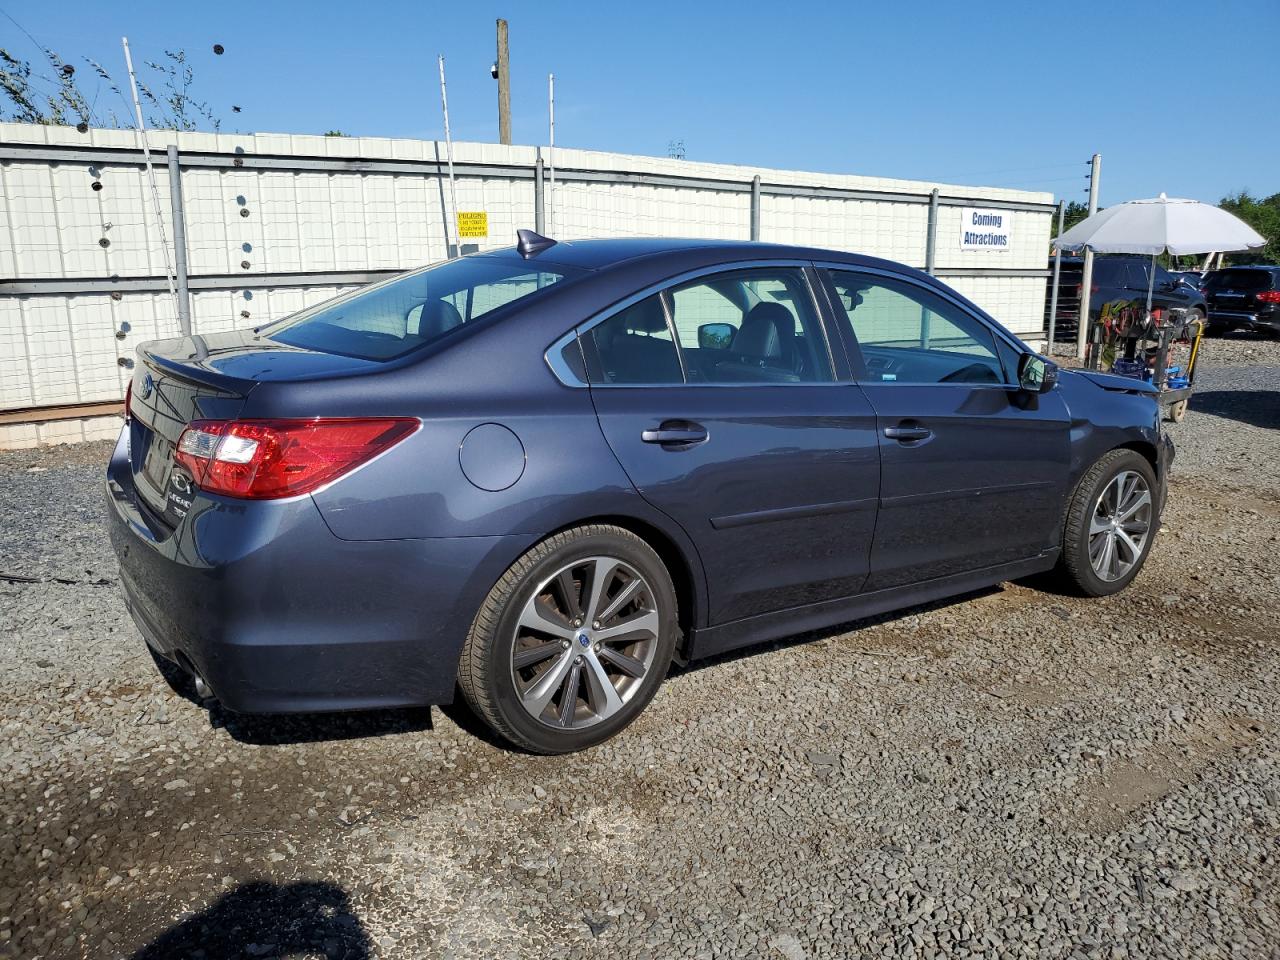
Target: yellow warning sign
473,224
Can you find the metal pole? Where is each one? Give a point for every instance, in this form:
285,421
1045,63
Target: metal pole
179,241
930,261
551,151
453,187
1086,277
755,207
539,197
504,85
1151,283
1057,272
141,129
931,236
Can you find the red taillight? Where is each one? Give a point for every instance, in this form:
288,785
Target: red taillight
1268,296
270,459
128,400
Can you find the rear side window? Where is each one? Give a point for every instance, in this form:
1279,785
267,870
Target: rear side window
750,326
753,326
1246,281
396,317
634,346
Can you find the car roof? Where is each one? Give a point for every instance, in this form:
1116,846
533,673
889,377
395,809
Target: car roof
600,254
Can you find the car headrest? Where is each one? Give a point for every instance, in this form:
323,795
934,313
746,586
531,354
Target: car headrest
647,316
438,316
768,330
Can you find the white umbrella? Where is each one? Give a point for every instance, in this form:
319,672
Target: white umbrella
1154,226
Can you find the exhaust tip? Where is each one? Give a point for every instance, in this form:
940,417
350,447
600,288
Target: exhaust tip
202,688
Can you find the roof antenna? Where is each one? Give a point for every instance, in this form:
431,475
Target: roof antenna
530,243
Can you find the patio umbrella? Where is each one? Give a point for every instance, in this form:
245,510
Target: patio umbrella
1154,226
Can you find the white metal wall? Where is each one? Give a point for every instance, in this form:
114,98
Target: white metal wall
255,224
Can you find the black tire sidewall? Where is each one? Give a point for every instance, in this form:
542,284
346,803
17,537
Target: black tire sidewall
534,734
1082,513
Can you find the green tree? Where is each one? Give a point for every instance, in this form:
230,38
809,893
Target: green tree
1075,212
1264,216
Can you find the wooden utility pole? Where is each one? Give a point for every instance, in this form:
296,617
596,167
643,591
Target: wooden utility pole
504,85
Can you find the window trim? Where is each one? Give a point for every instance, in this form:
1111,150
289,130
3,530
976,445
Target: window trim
555,360
860,376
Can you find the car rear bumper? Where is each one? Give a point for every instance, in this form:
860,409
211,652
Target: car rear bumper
279,615
1257,320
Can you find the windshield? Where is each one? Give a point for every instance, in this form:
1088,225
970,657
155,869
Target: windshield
393,318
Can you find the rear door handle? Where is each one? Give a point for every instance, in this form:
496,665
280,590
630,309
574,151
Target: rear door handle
676,433
906,434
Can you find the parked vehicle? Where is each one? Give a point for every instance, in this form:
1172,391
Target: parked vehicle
1120,282
543,474
1245,297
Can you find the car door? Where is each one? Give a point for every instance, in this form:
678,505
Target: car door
973,469
719,397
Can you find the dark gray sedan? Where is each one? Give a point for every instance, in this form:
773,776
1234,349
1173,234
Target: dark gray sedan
543,474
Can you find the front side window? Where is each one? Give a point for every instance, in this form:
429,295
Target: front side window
395,317
908,334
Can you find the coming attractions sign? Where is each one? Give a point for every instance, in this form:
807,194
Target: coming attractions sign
985,229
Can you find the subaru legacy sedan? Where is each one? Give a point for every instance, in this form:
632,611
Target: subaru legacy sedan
543,474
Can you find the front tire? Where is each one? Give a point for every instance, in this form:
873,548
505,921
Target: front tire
1110,525
573,640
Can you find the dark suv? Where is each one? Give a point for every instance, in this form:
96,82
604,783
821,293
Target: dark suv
1247,297
1119,279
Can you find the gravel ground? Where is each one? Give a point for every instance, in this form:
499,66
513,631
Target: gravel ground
1012,774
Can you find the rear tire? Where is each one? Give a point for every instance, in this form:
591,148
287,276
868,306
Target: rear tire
573,640
1110,525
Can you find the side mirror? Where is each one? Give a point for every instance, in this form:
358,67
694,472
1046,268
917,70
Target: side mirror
715,336
1036,374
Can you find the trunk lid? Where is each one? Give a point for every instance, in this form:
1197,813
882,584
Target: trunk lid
203,378
1236,290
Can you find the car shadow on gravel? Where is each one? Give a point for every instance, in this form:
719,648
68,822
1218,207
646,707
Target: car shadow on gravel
277,729
1258,408
264,919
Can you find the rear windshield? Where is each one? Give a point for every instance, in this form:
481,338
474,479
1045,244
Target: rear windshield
395,317
1246,281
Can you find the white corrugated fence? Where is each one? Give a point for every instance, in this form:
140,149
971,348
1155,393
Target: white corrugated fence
276,222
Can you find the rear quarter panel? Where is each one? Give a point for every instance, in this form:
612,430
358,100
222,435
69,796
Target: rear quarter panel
419,488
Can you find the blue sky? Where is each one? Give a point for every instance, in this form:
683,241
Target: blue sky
1008,94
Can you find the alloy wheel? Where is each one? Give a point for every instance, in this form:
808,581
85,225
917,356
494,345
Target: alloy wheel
584,642
1120,525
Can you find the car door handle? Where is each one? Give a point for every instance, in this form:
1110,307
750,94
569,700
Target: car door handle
907,434
677,433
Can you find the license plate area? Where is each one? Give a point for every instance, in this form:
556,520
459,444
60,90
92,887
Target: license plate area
157,460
